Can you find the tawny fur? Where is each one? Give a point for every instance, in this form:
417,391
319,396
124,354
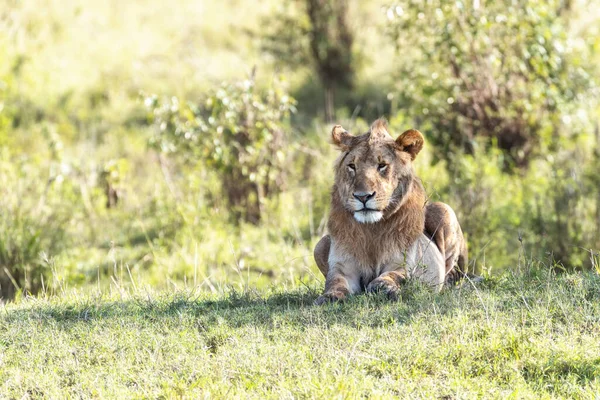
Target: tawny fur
442,225
370,243
359,256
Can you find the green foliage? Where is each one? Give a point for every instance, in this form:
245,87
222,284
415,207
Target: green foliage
238,130
70,114
509,72
6,87
33,225
546,212
478,77
284,36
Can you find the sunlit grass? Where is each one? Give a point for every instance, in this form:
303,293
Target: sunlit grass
527,336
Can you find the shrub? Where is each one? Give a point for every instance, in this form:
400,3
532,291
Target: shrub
507,72
237,130
509,84
546,212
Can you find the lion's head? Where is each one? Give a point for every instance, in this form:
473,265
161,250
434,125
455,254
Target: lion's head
374,173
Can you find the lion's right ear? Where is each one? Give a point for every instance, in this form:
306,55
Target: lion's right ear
341,138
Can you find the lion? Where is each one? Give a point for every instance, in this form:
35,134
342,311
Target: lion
381,230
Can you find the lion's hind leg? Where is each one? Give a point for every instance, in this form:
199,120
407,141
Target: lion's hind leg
442,226
321,254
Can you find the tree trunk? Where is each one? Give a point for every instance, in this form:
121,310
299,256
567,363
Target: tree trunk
242,196
331,43
330,104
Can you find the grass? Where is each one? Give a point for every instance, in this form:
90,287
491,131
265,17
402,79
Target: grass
531,335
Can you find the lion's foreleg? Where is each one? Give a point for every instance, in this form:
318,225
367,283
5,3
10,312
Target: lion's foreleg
343,279
337,288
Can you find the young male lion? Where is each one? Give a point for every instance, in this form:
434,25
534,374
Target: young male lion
381,232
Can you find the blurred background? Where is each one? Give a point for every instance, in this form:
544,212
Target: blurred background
186,143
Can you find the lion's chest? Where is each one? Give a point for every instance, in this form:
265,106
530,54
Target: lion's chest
375,251
367,259
421,260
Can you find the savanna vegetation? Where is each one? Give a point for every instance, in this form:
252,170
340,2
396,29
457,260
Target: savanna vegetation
165,173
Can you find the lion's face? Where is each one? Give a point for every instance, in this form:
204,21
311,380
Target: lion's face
375,172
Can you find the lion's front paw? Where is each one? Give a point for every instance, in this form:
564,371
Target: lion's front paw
380,285
330,297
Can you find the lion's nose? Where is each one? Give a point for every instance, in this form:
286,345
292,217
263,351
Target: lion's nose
363,197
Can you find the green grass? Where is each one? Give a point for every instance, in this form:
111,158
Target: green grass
523,336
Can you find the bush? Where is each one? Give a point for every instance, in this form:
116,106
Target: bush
505,91
237,130
546,212
506,72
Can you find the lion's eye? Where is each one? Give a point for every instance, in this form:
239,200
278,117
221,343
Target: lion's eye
382,167
351,167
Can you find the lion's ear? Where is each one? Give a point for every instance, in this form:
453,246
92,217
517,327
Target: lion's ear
411,142
340,137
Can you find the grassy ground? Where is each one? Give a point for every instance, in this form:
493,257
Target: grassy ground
522,336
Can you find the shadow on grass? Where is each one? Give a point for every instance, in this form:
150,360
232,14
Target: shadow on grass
248,308
275,308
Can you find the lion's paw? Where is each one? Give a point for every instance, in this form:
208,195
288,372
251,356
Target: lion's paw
384,286
330,298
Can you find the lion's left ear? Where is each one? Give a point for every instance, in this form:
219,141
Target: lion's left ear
411,142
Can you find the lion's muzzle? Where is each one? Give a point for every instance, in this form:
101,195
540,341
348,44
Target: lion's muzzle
365,208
